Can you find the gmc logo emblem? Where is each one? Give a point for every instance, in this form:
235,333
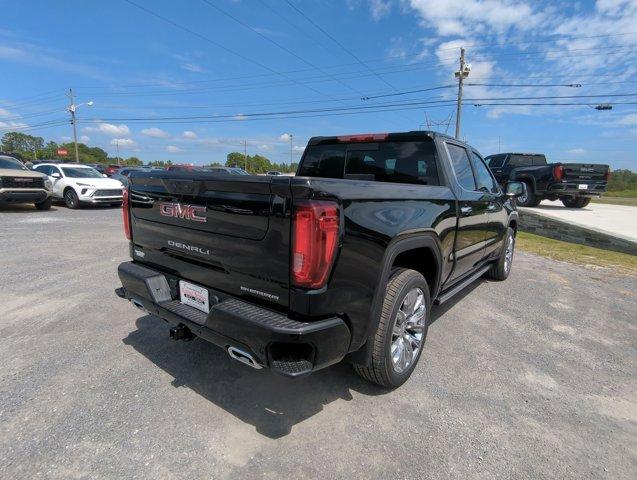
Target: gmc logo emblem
194,213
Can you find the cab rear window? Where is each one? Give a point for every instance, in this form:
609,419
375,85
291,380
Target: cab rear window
397,162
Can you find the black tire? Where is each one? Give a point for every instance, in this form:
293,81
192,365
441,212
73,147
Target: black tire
502,267
44,205
575,202
529,199
382,370
70,199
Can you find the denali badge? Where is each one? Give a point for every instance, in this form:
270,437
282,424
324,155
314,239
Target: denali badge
190,248
194,213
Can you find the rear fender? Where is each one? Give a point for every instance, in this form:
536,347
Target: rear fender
397,246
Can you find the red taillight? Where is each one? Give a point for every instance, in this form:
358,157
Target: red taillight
365,137
126,215
558,172
315,231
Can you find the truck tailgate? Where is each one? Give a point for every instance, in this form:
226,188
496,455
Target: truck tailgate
585,172
224,232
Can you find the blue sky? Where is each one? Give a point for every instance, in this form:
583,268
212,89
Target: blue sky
224,61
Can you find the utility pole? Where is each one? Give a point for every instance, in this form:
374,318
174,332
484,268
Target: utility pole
245,154
35,152
291,148
116,146
73,122
460,75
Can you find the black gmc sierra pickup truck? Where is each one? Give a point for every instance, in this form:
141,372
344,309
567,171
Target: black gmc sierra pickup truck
572,183
342,261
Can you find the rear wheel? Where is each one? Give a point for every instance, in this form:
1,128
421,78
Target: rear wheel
502,267
70,199
528,199
400,337
575,202
44,205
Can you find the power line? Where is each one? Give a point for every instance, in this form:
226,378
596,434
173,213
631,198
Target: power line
343,47
244,116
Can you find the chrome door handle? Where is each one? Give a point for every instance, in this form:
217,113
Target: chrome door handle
466,210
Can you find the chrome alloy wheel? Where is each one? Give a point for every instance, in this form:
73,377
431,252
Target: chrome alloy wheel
508,254
407,334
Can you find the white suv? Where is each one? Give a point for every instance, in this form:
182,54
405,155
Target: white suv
79,184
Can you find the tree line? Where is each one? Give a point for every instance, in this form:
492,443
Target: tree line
256,163
28,148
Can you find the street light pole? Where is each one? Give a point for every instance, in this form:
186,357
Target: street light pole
72,109
291,148
460,75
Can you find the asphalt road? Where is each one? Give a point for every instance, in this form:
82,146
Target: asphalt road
532,378
618,220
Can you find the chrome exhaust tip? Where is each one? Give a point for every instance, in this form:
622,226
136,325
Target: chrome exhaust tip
243,357
138,304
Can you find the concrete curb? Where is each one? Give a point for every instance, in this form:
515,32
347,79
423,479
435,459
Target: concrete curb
566,231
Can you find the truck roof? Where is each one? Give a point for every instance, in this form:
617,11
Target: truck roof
515,153
381,137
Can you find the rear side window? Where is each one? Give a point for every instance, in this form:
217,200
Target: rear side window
461,166
323,161
397,162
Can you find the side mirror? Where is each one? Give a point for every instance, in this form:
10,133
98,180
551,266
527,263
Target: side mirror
56,175
516,189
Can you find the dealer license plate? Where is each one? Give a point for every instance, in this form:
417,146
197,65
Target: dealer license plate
582,186
194,296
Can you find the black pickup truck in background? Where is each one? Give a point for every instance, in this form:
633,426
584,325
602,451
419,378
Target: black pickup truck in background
572,183
342,261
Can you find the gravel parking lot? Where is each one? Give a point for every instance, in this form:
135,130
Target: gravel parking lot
532,378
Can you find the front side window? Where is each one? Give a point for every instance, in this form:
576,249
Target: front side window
484,179
43,169
495,161
81,172
461,166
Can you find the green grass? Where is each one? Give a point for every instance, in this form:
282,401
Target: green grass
575,253
622,193
616,200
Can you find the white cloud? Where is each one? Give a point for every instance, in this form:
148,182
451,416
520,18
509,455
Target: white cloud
123,142
65,138
630,119
173,149
192,67
189,134
379,8
462,17
4,112
265,147
239,116
298,148
16,125
85,138
284,137
155,132
576,151
110,129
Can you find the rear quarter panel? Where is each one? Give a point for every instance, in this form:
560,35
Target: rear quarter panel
373,214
